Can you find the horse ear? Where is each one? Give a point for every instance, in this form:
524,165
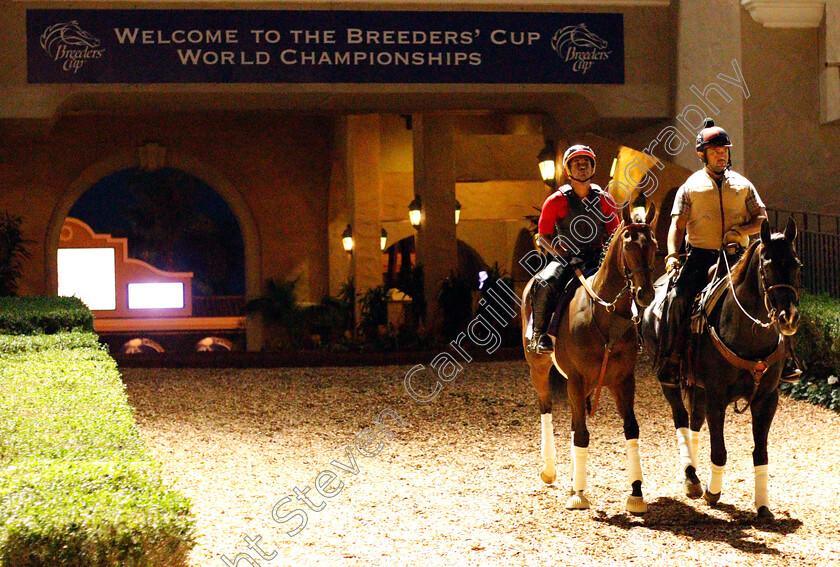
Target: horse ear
650,213
765,231
790,229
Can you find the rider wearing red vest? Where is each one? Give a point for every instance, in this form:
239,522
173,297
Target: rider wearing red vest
575,223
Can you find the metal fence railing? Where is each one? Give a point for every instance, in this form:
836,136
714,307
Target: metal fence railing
818,245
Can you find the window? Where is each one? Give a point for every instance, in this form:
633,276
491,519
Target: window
88,273
168,295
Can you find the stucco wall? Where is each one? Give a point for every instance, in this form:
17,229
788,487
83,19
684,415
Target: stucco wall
275,166
793,160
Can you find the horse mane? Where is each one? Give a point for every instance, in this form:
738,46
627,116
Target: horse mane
739,270
613,239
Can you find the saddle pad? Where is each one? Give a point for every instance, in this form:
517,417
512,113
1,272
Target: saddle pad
565,299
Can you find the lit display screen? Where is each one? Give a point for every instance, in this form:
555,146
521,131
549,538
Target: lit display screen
88,273
168,295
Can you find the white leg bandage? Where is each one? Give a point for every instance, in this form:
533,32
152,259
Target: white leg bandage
579,455
761,477
634,461
549,452
715,479
684,445
694,439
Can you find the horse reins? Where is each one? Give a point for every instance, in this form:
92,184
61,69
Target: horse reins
610,308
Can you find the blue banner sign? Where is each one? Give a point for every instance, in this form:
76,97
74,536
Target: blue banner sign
320,46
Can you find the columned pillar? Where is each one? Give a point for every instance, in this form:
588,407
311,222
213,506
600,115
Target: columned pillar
363,189
434,183
338,210
709,61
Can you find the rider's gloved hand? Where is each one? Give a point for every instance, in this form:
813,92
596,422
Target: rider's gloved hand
671,263
734,236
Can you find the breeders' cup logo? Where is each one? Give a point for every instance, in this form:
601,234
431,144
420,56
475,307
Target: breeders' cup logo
580,47
69,44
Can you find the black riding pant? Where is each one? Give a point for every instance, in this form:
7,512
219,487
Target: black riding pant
549,285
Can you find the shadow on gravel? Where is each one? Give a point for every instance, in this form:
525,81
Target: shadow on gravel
679,518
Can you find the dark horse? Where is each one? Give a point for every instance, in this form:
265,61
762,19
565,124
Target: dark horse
596,346
737,356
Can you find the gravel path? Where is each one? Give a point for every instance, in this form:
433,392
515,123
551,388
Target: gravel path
460,484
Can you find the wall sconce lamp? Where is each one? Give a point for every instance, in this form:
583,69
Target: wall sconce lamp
414,212
545,159
457,211
383,240
347,239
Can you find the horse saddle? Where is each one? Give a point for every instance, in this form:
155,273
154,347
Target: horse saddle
565,299
706,301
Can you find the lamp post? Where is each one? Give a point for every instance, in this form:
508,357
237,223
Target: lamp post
415,212
546,159
383,240
347,239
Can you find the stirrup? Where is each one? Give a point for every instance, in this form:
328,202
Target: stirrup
540,343
791,372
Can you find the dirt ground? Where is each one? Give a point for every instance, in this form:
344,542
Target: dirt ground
459,484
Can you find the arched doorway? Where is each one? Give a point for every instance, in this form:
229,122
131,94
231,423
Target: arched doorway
173,221
251,246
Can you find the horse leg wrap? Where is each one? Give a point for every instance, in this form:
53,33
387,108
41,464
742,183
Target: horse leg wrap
761,496
579,455
549,453
694,439
684,444
634,461
715,478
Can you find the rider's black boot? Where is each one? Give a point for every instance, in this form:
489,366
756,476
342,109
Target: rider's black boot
544,300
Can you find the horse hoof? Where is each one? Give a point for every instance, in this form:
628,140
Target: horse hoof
577,502
710,498
693,490
765,515
636,505
547,477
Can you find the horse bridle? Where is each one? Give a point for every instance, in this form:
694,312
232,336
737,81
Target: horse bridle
756,367
762,281
629,285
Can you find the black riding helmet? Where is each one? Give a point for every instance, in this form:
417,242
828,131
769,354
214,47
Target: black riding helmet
711,136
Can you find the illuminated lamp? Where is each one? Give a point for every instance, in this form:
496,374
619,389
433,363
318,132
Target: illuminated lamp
347,239
546,159
414,212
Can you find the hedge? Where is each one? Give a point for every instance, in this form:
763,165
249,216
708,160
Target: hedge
77,486
817,343
35,315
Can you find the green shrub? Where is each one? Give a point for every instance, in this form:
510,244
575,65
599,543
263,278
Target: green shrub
817,344
77,487
34,315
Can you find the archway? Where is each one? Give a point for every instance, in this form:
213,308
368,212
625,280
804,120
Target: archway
207,175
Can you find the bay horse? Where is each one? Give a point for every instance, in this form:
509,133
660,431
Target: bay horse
596,346
739,355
